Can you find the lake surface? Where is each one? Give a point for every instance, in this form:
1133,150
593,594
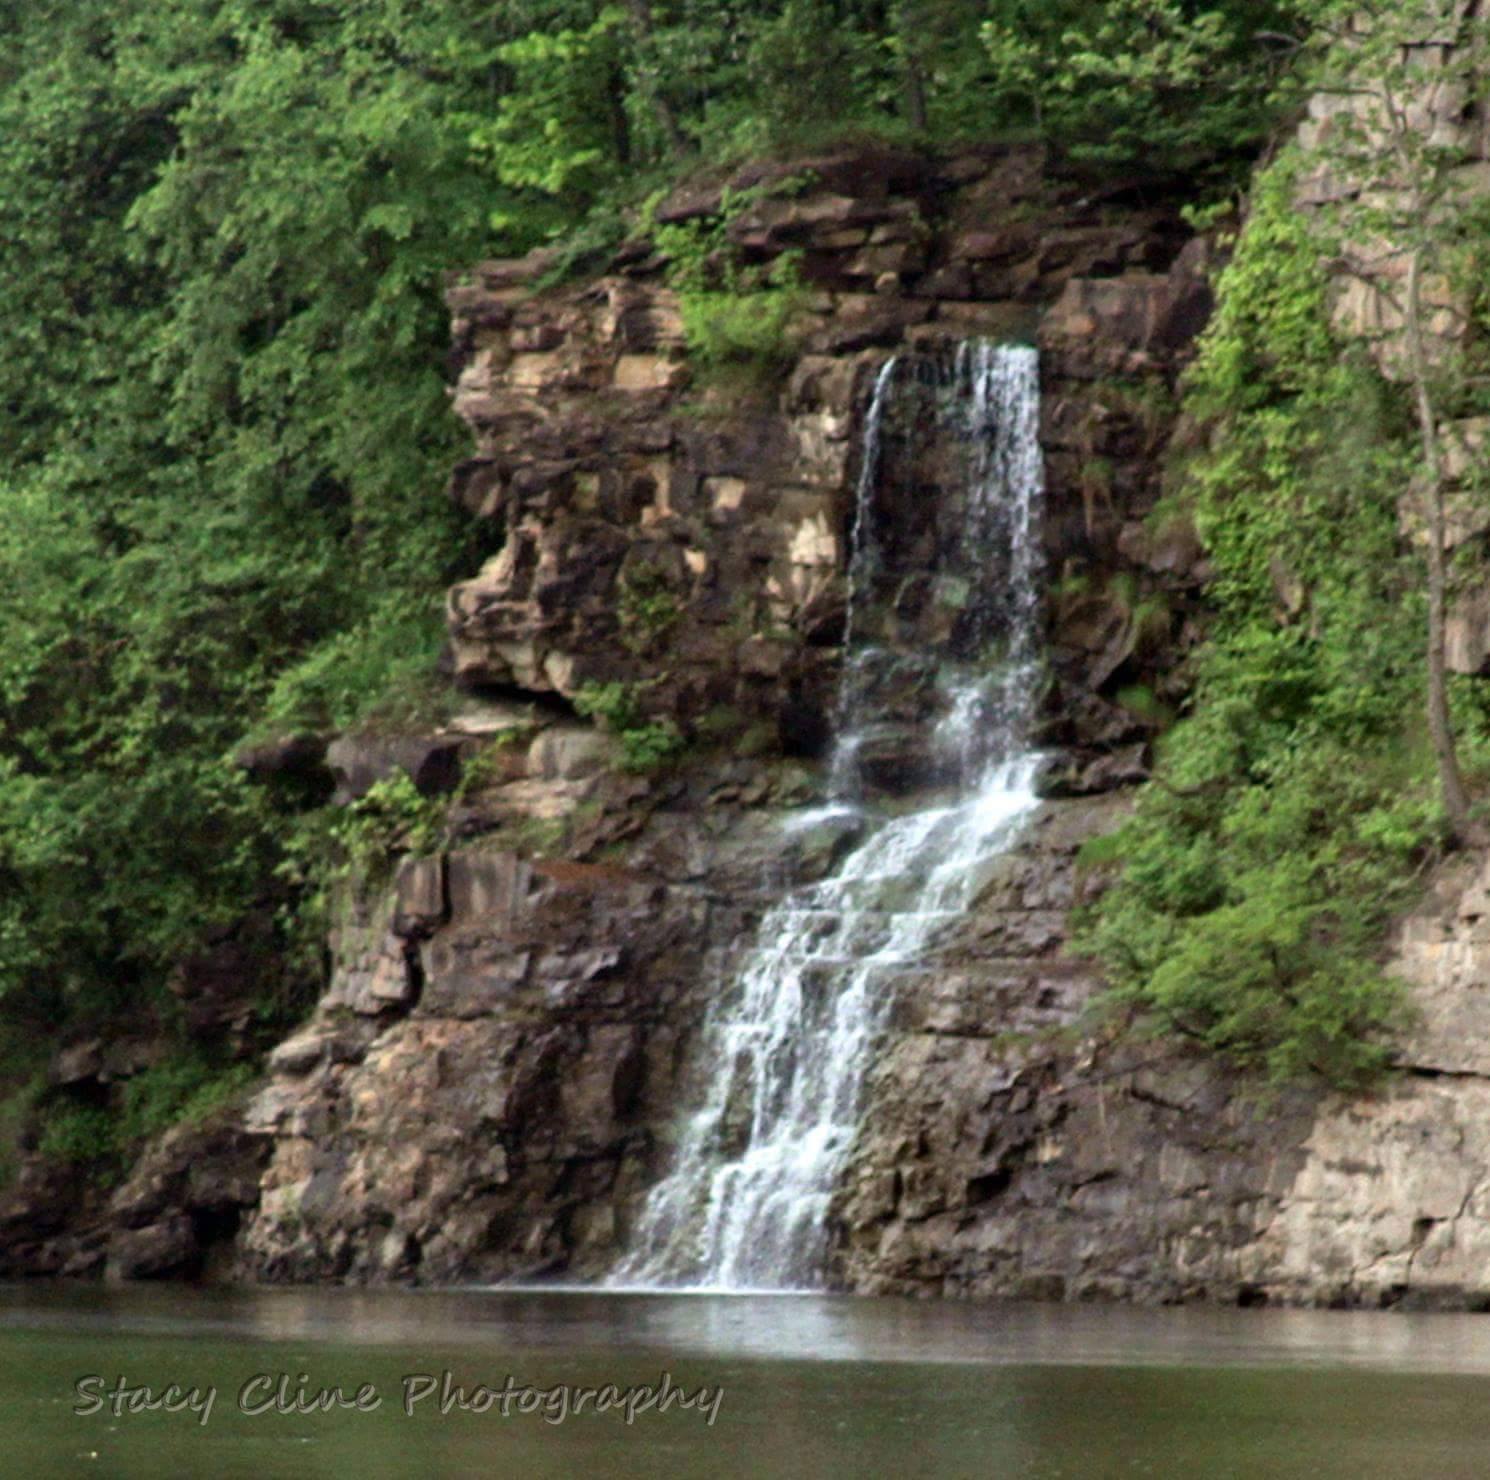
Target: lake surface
774,1386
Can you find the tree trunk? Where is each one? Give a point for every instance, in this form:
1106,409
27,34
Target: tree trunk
1440,722
915,92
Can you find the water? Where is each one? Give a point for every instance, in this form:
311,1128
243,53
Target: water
998,397
793,1042
788,1045
863,565
808,1386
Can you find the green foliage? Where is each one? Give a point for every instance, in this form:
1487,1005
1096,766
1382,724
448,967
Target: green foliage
379,675
222,413
391,817
560,127
613,704
647,607
355,846
1157,81
224,430
736,316
184,1090
1141,700
601,103
749,326
646,744
1294,803
809,69
78,1134
650,746
181,1091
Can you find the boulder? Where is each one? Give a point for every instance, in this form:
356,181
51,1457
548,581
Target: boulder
165,1250
359,762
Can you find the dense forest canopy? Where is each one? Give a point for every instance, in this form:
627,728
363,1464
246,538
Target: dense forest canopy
223,424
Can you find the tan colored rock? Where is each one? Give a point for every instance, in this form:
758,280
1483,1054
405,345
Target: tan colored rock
648,373
813,543
1466,509
570,753
1467,633
1367,299
1464,443
725,495
822,449
536,371
486,719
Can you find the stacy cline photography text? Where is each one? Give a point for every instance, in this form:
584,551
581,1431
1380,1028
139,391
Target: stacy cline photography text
438,1393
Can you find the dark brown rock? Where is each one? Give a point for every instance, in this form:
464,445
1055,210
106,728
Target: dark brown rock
302,756
359,762
165,1250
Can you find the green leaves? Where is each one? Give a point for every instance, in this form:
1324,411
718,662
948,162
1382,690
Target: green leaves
1139,81
735,316
559,129
223,426
1252,890
225,433
646,743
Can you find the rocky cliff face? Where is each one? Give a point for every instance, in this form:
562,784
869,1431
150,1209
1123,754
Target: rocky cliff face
1010,1153
690,540
484,1091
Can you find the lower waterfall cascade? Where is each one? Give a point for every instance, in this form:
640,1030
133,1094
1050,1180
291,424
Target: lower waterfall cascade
791,1039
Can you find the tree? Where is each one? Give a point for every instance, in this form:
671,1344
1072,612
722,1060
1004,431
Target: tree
1164,82
225,431
1399,210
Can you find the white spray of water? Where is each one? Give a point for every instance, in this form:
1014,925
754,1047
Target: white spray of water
788,1047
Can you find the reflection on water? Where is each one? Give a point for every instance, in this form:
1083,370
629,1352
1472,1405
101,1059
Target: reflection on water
816,1386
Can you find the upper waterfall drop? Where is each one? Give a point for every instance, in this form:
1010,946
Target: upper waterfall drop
788,1044
843,774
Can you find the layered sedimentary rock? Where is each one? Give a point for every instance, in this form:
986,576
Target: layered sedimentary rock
1012,1152
482,1092
691,540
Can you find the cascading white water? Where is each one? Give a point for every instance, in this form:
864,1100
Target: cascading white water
746,1202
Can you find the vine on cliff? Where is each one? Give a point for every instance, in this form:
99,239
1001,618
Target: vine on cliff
1295,804
737,316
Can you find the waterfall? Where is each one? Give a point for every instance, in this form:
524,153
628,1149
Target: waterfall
789,1045
843,776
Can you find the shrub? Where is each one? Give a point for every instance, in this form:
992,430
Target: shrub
1293,804
646,743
